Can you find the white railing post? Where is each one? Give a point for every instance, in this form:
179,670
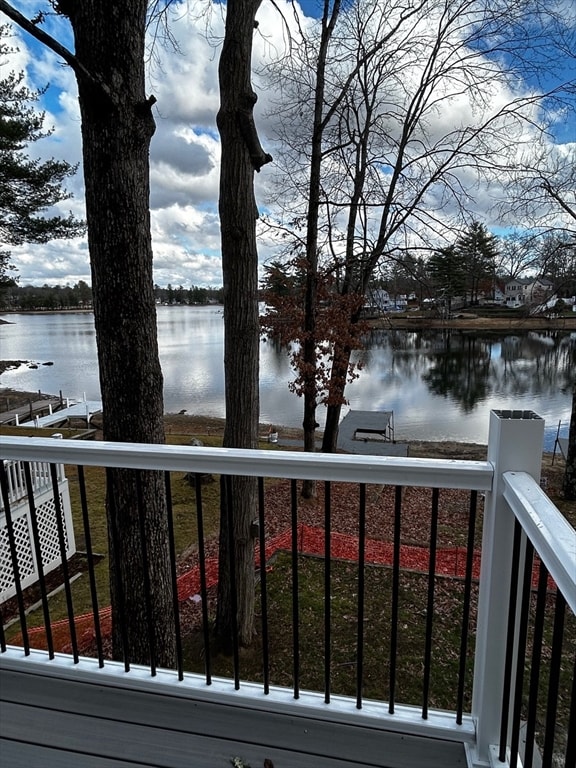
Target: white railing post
515,443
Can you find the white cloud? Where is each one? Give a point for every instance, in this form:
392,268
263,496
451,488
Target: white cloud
185,151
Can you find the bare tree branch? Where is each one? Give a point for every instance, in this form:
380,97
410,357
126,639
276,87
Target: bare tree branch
43,37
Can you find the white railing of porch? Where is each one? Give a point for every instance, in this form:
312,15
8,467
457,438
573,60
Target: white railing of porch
510,478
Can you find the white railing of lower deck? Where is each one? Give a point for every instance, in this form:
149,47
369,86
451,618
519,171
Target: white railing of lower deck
21,516
515,446
40,476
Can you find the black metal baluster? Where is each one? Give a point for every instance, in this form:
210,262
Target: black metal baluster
554,680
327,592
203,587
63,555
263,588
90,558
295,604
535,665
146,573
430,604
395,597
521,654
119,612
39,560
14,559
361,595
570,760
173,577
233,582
466,605
2,633
507,681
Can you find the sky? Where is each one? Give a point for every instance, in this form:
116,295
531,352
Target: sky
185,148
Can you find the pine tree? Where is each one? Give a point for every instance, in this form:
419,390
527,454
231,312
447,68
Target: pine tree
448,271
28,187
477,250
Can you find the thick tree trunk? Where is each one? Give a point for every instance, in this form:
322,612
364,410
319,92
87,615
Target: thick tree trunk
117,126
338,376
241,156
330,437
569,485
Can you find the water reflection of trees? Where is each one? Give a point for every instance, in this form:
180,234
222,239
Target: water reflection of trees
461,370
537,363
468,367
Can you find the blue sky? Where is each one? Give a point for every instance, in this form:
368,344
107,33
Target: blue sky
184,152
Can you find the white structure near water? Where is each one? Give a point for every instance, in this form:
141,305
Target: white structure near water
42,543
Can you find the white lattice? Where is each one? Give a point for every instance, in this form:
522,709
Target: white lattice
26,565
48,532
48,536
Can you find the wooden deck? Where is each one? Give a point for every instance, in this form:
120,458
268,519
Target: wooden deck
28,411
77,722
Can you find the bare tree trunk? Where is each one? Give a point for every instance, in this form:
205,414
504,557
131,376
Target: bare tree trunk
117,126
338,375
241,156
309,423
569,485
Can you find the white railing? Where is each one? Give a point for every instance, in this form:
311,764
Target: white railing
40,476
510,479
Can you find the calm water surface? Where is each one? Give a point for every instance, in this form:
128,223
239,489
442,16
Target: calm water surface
440,384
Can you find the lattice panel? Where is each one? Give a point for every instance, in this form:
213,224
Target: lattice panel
49,547
23,548
48,531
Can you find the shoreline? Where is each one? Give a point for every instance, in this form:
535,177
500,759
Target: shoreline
212,427
465,320
190,424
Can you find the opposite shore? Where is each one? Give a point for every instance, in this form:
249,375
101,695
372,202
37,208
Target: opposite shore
471,322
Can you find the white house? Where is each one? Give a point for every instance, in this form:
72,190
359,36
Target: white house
528,290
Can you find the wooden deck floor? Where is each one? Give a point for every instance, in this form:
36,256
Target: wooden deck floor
29,411
65,723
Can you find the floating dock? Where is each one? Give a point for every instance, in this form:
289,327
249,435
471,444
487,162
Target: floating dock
370,433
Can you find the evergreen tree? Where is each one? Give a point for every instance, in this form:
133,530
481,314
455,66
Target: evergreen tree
448,272
28,187
477,250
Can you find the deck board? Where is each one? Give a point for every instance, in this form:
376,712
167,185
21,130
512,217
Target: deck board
101,726
17,754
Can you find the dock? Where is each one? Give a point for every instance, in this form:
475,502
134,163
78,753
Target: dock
370,433
84,409
29,411
51,412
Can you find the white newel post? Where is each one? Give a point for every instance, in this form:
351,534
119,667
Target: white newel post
515,442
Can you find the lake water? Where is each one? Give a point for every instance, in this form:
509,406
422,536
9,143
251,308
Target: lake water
440,384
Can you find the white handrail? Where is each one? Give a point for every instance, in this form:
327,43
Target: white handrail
428,473
39,473
553,537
